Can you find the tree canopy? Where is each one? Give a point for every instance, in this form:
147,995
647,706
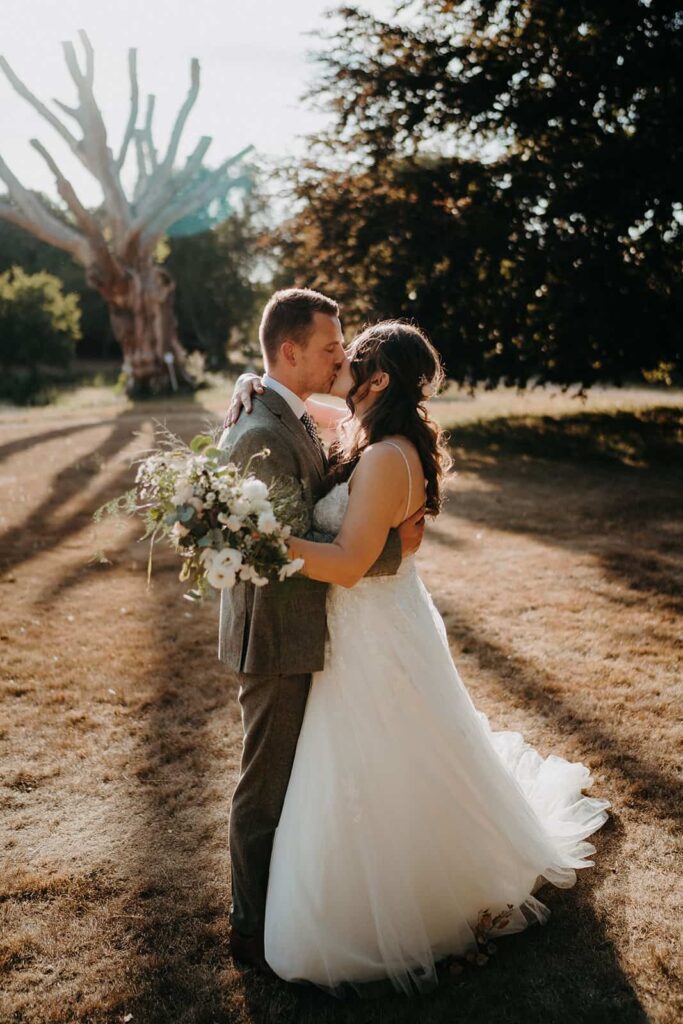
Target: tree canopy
509,174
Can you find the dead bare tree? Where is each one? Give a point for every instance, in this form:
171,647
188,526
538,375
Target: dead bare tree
116,246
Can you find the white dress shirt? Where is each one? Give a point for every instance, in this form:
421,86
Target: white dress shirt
296,404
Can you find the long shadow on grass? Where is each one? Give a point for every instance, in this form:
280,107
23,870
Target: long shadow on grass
24,444
43,529
180,967
607,485
174,912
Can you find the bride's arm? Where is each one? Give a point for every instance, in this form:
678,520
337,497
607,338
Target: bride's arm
379,493
325,415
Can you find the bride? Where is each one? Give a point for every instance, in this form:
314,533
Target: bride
410,829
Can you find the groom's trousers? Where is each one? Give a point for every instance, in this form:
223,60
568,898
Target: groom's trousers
272,713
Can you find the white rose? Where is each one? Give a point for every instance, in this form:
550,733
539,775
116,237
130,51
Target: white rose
267,523
241,506
221,576
255,491
207,556
179,530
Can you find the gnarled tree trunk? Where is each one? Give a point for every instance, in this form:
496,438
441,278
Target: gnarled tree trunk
117,247
141,310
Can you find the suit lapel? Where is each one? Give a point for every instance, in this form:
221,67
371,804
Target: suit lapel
279,407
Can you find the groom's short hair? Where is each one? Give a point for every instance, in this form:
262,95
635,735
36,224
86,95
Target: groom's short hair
289,314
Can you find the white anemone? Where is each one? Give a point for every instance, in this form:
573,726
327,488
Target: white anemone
229,557
221,575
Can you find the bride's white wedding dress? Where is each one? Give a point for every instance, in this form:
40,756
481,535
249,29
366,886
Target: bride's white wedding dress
406,816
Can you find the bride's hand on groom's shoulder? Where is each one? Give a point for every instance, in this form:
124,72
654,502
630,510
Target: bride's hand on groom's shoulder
246,385
411,531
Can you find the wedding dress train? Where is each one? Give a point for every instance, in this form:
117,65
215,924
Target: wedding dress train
406,816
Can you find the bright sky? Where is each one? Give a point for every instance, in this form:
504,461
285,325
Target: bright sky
253,61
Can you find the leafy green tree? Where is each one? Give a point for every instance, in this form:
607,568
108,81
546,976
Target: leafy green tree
39,326
510,173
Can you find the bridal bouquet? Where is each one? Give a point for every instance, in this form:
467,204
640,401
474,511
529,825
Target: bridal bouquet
223,522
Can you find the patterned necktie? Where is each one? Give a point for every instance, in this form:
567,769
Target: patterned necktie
312,432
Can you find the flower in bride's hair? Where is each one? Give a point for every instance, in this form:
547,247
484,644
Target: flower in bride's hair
427,389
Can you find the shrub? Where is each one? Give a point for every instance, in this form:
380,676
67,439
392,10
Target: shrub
39,326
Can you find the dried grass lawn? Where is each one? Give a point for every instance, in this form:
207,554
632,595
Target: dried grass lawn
557,566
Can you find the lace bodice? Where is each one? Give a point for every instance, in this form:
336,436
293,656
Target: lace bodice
330,510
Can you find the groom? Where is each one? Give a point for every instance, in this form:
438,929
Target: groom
273,637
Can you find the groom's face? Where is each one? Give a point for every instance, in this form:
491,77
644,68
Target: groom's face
321,359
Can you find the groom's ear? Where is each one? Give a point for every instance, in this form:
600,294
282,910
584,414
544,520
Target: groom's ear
288,352
379,381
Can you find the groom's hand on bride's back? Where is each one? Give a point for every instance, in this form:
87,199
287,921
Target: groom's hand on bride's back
411,531
246,385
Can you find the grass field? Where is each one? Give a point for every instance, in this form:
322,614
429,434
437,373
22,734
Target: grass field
557,567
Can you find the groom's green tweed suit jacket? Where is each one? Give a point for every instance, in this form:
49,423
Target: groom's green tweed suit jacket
280,629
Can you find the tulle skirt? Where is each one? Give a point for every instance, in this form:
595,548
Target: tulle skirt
410,828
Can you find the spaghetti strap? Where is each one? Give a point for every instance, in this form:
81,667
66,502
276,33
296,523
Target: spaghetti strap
410,475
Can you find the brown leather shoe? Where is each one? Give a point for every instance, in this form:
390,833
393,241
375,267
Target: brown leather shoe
248,949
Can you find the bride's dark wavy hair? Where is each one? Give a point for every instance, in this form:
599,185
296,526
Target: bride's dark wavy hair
413,366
